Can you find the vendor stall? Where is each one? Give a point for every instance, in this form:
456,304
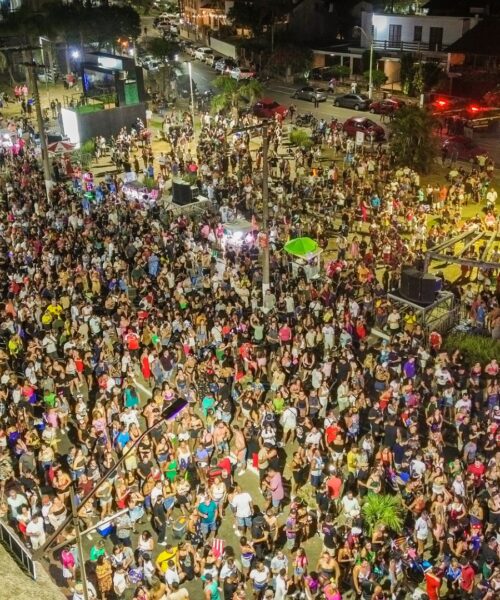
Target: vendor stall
305,254
136,191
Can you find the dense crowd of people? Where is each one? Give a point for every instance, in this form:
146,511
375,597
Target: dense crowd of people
266,485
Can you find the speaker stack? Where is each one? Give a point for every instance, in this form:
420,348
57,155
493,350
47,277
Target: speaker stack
418,287
183,193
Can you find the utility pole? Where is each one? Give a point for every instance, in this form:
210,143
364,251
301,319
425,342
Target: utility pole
81,556
265,210
47,173
190,70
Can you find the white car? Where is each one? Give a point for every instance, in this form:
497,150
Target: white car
203,53
240,73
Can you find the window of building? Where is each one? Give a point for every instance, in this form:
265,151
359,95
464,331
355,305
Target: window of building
395,33
417,33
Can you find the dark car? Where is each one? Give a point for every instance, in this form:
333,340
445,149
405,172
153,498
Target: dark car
309,93
356,101
367,126
459,147
386,107
321,74
268,109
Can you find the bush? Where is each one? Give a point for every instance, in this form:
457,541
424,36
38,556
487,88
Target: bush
149,182
378,78
475,348
88,147
383,509
300,138
341,71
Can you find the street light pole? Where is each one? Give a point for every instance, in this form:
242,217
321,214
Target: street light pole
192,98
79,545
370,74
265,211
47,173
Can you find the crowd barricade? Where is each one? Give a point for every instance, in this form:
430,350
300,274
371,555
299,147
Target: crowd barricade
17,549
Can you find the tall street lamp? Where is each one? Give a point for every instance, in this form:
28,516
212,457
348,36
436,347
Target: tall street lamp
190,71
370,75
168,414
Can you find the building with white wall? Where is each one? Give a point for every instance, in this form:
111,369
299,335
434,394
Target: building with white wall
413,33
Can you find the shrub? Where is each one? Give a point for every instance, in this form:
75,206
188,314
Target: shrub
475,348
300,138
383,509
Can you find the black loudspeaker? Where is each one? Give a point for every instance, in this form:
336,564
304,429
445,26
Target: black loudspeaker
410,283
181,193
430,285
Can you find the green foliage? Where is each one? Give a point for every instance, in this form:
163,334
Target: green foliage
431,74
190,178
88,147
412,140
341,71
307,495
299,137
406,73
149,182
378,78
232,93
475,348
383,509
162,49
289,58
257,15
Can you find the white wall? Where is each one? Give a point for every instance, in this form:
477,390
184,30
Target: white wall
453,27
224,48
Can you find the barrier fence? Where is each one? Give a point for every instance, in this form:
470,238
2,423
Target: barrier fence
12,542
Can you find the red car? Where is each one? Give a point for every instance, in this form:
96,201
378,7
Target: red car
367,126
268,109
386,107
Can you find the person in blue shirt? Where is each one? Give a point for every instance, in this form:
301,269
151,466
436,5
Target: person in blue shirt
207,510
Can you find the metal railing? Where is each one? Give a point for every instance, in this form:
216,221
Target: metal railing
408,46
17,549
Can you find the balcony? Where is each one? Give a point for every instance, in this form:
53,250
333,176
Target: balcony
399,46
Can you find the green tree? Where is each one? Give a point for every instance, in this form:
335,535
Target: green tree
378,78
289,59
258,15
300,138
383,509
231,93
406,72
412,140
341,71
164,51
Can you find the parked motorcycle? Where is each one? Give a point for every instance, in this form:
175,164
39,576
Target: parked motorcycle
306,120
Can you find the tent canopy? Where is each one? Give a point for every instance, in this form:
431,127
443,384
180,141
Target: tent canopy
60,147
302,247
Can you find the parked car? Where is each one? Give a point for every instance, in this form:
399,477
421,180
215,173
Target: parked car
386,107
267,108
224,64
203,52
367,126
189,47
356,101
240,73
461,147
309,93
321,74
163,25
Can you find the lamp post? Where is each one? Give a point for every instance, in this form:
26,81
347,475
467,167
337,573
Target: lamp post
168,414
370,75
190,71
47,173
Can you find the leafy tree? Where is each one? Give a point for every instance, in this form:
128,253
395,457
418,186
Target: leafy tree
406,72
164,51
412,140
257,15
378,78
232,93
341,71
289,59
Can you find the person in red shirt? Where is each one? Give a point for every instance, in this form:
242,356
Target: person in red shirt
432,584
467,578
478,470
334,485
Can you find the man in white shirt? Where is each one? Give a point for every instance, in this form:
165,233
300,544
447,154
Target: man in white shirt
421,532
36,532
242,504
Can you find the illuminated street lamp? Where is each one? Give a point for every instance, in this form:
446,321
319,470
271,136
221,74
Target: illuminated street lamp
370,76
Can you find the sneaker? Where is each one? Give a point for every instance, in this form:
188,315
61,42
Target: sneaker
162,543
238,533
242,472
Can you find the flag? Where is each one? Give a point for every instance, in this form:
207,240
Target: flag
218,547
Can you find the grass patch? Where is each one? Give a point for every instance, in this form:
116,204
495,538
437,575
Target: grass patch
475,348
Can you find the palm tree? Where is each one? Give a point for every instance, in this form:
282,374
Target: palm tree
231,93
383,509
164,51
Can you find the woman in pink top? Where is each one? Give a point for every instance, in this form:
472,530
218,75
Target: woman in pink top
331,591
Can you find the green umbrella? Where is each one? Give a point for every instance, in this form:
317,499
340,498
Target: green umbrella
301,246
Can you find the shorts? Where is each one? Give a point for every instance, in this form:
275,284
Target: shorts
276,503
244,521
207,528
